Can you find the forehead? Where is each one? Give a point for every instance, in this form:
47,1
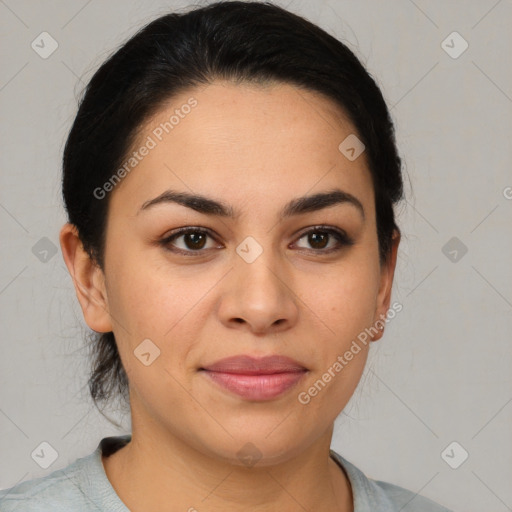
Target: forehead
242,142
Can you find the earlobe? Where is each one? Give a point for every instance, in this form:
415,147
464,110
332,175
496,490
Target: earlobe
386,286
88,279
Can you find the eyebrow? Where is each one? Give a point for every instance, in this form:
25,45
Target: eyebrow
297,206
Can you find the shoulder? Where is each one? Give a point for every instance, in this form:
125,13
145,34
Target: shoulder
81,486
370,495
60,491
408,501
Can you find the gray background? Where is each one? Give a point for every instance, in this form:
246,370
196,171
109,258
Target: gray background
442,371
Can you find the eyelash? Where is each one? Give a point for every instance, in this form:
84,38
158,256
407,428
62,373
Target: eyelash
343,239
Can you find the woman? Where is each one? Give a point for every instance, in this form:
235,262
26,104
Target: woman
229,180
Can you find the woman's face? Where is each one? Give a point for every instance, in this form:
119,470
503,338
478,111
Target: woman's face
256,284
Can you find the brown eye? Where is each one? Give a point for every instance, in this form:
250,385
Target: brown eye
194,240
318,238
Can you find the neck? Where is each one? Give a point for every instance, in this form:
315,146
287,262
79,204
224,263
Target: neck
160,473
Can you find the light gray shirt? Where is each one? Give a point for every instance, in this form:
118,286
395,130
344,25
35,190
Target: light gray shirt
83,486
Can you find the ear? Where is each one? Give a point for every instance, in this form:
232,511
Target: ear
88,279
386,284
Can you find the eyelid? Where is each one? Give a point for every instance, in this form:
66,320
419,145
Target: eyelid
343,239
166,240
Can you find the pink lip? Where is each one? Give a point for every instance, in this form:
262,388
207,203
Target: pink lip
256,378
249,365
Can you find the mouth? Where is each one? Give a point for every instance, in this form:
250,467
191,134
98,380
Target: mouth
255,378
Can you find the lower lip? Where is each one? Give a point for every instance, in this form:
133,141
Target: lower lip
256,387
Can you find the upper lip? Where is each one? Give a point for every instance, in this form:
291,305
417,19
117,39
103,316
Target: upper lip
249,365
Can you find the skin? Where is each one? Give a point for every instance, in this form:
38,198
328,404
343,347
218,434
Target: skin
254,148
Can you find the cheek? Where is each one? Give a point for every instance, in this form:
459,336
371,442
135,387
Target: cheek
148,306
149,301
343,304
141,296
345,299
340,355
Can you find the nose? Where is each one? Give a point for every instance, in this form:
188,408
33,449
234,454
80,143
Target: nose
259,296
